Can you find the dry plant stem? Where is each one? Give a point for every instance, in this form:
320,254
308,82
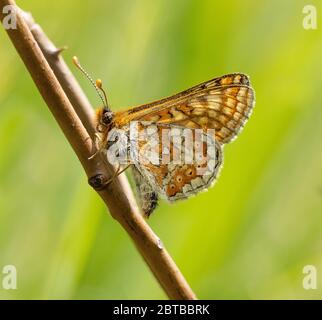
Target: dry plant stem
118,195
66,79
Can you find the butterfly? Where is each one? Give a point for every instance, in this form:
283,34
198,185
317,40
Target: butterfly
223,104
203,118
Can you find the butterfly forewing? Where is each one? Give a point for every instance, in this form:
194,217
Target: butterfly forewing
223,104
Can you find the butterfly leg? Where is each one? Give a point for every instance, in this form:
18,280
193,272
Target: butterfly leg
117,173
98,139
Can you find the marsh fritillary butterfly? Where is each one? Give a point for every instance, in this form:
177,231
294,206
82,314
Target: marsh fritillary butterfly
223,104
214,111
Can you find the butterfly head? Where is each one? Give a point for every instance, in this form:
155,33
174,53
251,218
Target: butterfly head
105,119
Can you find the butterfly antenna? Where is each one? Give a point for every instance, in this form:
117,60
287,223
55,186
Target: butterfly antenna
97,85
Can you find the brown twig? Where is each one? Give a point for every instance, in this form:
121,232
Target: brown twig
72,112
66,79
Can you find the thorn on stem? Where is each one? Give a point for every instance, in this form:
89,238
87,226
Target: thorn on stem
57,51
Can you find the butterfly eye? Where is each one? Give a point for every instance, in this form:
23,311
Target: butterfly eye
107,117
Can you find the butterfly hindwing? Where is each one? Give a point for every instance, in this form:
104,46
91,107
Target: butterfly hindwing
184,162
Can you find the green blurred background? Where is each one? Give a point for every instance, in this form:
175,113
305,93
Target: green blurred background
248,237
